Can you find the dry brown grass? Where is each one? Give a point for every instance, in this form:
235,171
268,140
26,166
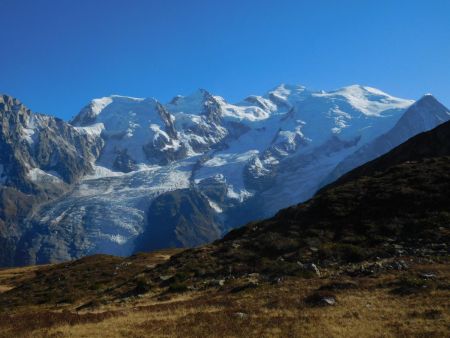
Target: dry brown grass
367,309
9,278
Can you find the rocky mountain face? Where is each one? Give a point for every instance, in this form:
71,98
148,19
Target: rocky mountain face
40,157
135,174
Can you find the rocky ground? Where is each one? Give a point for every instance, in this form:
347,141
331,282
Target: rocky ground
397,297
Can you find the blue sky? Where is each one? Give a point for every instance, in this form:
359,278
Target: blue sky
57,55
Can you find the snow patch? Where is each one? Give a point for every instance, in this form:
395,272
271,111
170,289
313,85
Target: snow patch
38,175
97,105
93,130
215,206
240,195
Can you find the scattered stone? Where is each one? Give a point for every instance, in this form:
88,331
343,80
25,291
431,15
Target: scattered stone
321,299
240,315
399,265
428,275
165,277
253,278
215,282
329,300
277,280
312,267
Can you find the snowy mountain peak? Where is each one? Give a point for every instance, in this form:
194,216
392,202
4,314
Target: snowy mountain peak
284,95
428,107
142,131
88,115
284,89
128,98
191,104
428,110
428,97
370,101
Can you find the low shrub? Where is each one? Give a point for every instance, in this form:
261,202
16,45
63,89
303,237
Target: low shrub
346,252
408,285
142,286
177,287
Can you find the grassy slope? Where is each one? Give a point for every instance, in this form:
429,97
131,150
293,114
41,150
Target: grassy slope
371,307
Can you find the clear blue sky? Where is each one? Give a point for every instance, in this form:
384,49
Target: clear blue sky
57,55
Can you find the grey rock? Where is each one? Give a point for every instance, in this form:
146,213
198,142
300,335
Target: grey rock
240,315
312,267
428,275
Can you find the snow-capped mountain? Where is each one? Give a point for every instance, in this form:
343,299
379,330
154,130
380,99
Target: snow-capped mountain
185,172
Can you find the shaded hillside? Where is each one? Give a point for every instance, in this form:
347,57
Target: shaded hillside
86,279
404,208
180,218
398,202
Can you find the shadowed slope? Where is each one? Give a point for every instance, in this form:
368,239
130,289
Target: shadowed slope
404,202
